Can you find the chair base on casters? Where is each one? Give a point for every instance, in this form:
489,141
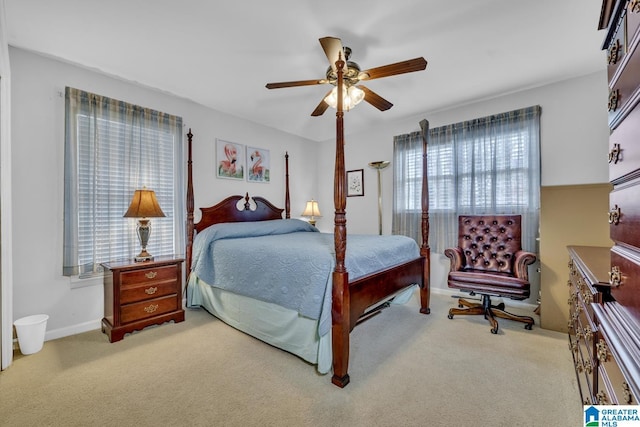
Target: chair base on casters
490,312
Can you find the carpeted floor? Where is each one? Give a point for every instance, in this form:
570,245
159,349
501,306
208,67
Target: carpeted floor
406,369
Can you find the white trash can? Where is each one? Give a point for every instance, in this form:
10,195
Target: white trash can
31,331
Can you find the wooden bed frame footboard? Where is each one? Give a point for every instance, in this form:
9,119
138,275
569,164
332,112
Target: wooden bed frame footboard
351,301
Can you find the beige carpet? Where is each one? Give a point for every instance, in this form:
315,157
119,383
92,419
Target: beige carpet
407,369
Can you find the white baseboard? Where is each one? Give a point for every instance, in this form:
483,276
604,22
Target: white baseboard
72,330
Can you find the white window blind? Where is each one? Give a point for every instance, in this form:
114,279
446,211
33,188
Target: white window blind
483,166
111,152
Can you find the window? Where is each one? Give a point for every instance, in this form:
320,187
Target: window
483,166
111,149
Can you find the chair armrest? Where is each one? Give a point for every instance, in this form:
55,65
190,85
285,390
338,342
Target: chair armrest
520,263
455,257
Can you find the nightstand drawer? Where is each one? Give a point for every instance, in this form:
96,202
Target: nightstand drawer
141,292
150,308
151,274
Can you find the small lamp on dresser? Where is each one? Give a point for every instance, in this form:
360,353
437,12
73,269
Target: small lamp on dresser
144,205
312,211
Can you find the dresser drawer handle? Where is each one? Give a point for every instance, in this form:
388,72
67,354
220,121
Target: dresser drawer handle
626,393
614,154
634,6
612,105
615,276
602,351
150,309
614,215
602,398
152,290
613,52
587,367
150,274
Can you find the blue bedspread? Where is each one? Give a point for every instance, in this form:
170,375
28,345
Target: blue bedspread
289,262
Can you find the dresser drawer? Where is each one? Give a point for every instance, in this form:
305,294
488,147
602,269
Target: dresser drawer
617,49
624,214
148,275
622,91
624,146
625,289
632,19
616,356
141,292
150,308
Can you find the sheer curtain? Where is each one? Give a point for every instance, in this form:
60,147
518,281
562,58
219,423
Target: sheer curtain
113,148
489,165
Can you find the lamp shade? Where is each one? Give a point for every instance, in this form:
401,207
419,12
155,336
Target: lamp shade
311,209
144,205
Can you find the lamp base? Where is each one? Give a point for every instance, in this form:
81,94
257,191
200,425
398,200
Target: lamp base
143,256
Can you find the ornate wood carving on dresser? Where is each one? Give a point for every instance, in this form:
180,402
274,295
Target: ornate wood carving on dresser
140,294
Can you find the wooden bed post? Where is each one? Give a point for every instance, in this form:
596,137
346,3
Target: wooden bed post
190,206
340,293
287,203
425,251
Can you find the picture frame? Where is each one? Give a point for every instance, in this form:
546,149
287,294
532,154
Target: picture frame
230,160
258,165
355,183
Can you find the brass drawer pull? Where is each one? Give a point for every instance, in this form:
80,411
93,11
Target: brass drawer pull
152,308
634,6
626,393
150,274
614,154
588,334
602,398
614,96
612,53
615,276
587,367
602,351
152,290
614,215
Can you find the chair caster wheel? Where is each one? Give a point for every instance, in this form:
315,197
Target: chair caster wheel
450,316
528,327
494,330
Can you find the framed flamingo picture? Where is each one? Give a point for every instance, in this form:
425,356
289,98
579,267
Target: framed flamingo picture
230,157
258,164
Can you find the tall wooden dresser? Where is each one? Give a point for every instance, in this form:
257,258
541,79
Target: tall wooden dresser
614,348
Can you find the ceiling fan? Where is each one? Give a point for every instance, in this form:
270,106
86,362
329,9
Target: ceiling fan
353,91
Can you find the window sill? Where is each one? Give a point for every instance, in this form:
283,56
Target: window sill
86,281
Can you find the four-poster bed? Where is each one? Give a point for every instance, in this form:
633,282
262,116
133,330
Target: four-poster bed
352,299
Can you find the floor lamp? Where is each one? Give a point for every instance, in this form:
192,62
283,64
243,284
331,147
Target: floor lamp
379,166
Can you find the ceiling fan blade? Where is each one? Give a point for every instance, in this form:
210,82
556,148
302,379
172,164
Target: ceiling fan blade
409,66
322,106
332,47
374,99
295,83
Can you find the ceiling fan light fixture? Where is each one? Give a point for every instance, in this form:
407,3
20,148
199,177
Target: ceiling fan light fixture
351,97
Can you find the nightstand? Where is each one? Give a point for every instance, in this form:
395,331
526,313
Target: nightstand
140,294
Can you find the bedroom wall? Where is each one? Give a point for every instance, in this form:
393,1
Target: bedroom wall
38,142
574,145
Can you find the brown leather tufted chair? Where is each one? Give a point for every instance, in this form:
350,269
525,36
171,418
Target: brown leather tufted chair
489,261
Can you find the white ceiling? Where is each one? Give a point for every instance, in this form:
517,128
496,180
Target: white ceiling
222,53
